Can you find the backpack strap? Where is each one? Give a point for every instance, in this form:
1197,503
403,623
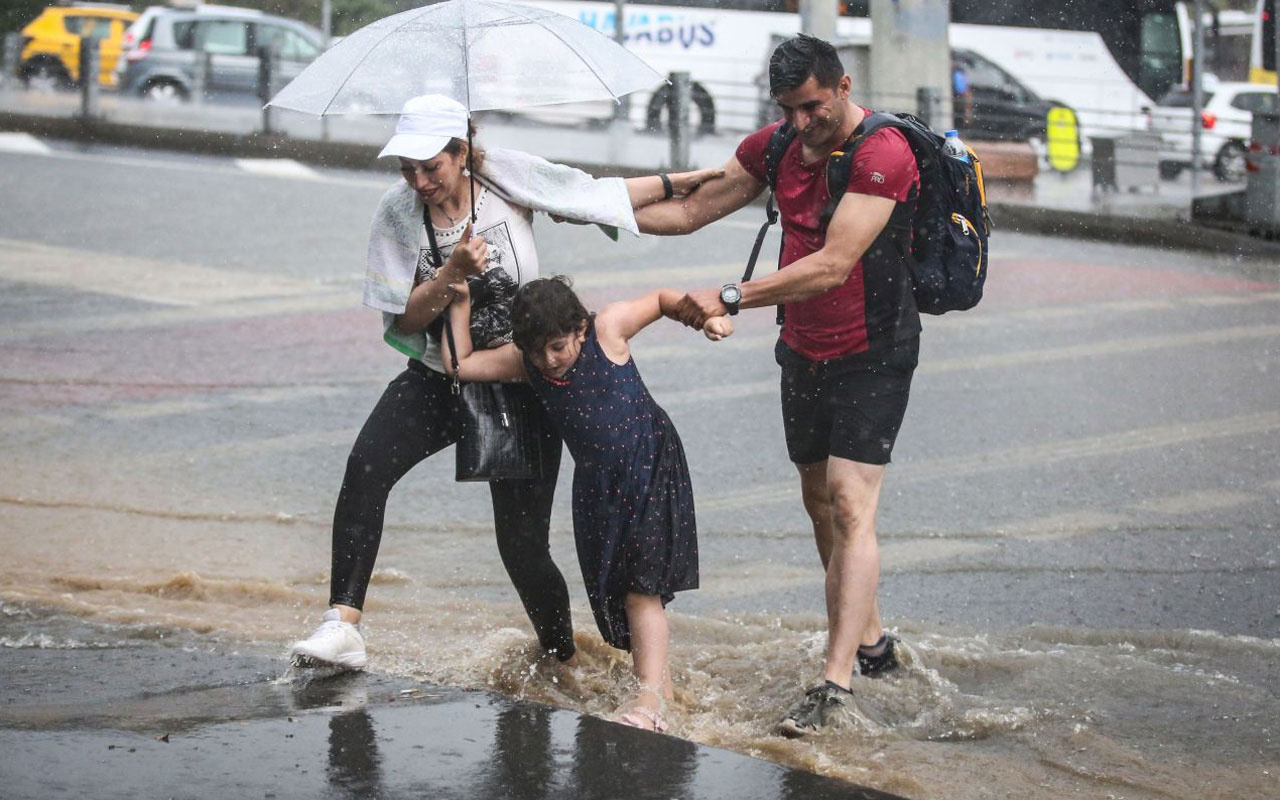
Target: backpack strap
840,162
779,141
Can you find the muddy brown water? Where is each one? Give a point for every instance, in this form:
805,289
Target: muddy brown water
1033,712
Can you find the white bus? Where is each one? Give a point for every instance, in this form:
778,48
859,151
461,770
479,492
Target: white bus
725,49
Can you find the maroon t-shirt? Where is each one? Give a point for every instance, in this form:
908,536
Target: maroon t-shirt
846,319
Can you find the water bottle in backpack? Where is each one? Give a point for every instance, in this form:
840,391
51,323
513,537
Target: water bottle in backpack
955,148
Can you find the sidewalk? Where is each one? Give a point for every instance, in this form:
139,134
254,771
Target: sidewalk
175,716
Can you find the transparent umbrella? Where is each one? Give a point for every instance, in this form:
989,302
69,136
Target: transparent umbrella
486,54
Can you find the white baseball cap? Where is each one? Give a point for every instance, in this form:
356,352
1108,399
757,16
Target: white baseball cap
426,125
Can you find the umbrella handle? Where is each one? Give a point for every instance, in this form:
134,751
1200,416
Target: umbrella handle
471,173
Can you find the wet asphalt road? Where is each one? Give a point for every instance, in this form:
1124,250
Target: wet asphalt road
1096,444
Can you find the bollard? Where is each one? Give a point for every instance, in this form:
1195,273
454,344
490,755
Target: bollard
268,68
89,61
929,107
12,52
679,100
200,76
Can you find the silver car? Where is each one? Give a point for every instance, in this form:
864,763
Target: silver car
166,56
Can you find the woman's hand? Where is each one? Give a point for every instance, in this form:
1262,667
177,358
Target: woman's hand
471,255
718,328
683,183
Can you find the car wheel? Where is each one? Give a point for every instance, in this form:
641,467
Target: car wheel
1230,163
163,91
702,104
1170,170
45,76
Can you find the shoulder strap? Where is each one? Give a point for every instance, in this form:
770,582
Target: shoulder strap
779,141
436,260
840,162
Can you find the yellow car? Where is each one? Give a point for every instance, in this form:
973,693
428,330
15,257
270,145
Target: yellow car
50,55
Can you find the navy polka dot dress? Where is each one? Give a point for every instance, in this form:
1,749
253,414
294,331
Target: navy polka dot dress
633,516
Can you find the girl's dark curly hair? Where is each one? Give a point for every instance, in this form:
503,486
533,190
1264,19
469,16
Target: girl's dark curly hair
545,308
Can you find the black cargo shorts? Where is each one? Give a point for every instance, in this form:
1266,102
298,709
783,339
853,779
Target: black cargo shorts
849,407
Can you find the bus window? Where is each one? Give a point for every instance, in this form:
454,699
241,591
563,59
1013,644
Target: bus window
1160,55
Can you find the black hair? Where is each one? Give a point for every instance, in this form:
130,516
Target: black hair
796,59
545,308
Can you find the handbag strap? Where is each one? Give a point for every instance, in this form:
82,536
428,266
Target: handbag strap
453,351
437,262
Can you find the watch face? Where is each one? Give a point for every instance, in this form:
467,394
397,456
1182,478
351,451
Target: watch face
730,294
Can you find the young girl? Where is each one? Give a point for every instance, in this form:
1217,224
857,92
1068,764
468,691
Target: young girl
633,516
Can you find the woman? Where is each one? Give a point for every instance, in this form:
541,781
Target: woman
408,277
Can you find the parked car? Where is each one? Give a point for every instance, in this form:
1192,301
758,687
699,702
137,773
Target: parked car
1226,122
995,105
50,54
162,62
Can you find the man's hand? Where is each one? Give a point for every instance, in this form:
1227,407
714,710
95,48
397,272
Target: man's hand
718,328
695,308
471,255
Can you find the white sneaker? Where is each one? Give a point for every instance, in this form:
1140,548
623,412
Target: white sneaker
334,643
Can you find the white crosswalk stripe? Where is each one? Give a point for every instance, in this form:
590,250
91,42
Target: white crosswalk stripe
21,143
277,167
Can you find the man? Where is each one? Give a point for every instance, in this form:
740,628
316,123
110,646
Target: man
849,341
962,95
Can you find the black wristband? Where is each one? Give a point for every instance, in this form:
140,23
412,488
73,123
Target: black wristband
667,191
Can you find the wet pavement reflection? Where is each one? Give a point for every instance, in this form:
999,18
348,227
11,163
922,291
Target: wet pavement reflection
157,717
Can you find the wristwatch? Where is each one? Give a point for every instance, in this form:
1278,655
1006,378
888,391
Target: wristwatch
731,295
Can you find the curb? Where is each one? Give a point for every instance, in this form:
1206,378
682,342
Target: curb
1168,234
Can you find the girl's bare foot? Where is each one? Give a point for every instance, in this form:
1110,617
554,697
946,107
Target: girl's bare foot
647,711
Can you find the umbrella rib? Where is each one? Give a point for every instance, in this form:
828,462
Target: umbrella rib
512,8
425,11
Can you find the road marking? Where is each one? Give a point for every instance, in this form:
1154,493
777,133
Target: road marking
1042,314
209,165
1061,526
655,277
149,280
1039,315
1042,454
169,316
277,168
264,396
1020,358
1196,502
23,143
1112,347
27,423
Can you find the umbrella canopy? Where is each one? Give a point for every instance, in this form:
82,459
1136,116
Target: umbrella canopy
486,54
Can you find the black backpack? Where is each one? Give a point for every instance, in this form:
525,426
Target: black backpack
950,224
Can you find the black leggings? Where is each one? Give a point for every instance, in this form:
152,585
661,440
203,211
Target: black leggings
413,420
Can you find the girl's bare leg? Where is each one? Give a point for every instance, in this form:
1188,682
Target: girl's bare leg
649,645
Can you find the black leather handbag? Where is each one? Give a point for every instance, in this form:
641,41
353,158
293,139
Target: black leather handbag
500,429
500,425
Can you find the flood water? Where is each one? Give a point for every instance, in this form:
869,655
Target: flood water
1032,712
